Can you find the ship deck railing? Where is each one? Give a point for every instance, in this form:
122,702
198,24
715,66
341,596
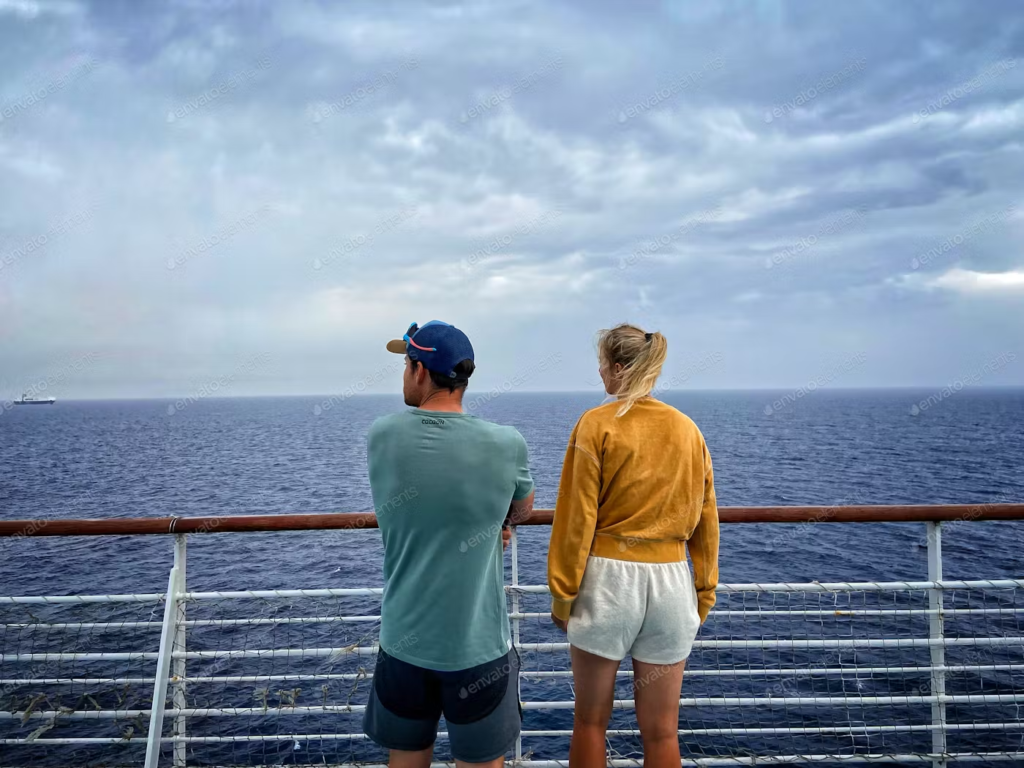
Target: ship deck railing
897,672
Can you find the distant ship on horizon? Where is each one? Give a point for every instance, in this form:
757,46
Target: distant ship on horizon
26,400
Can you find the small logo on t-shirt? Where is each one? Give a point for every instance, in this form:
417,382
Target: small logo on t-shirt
435,422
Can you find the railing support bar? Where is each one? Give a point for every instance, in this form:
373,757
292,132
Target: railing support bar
515,629
163,669
938,651
178,664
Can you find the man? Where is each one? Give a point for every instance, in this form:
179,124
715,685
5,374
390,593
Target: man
443,482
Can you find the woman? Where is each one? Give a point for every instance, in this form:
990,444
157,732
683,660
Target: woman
636,492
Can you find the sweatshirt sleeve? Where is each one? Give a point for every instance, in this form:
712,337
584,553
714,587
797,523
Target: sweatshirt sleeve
572,531
703,544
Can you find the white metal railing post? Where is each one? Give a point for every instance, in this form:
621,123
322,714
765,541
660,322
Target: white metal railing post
938,651
163,669
178,664
515,629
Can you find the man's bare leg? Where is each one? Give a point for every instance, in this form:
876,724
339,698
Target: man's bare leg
498,762
399,758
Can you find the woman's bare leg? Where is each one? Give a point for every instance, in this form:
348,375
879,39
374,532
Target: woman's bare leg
594,678
656,690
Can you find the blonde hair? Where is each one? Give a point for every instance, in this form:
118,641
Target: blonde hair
641,355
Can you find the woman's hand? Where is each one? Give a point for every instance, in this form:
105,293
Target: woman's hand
562,624
506,537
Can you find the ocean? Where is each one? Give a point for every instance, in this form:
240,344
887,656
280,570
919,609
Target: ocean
107,459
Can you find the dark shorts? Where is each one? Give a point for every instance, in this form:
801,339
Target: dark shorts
480,706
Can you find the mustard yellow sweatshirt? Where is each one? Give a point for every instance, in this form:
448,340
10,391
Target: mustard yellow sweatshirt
636,487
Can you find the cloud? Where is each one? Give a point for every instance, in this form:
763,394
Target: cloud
332,172
31,9
970,282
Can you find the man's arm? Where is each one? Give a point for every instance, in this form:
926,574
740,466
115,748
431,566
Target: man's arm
522,497
518,511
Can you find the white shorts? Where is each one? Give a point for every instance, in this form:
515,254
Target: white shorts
646,610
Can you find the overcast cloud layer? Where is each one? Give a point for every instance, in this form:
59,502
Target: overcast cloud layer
253,197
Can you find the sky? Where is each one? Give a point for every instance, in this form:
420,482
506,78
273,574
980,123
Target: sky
251,198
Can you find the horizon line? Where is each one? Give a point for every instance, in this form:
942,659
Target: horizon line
485,392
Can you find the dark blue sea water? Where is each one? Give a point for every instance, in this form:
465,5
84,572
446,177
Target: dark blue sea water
284,455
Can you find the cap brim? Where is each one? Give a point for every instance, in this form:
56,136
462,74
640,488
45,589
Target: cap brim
397,346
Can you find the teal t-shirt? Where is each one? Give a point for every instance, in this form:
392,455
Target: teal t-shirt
442,484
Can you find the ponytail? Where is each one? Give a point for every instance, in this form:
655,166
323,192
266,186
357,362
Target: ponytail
641,355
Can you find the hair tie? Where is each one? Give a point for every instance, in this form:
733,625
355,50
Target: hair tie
647,336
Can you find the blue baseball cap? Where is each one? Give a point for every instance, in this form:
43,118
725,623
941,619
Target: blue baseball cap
438,346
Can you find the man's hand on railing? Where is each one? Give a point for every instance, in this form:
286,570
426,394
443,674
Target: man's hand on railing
506,537
562,624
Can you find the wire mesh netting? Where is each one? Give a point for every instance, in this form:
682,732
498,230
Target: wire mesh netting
817,673
82,670
279,680
282,678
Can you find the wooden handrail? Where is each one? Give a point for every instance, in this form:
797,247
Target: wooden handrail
348,520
